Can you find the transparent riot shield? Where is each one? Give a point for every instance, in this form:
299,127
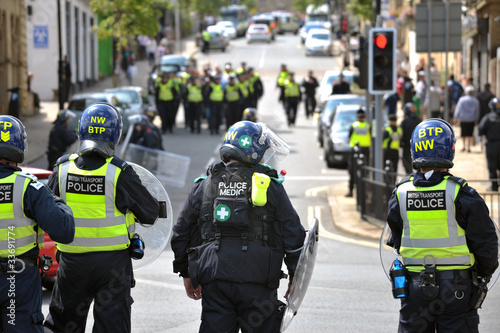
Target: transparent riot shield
156,236
388,254
303,274
170,169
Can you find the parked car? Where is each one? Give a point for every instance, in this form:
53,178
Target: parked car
326,84
49,248
337,148
218,38
79,102
229,27
258,33
319,42
328,113
304,31
267,19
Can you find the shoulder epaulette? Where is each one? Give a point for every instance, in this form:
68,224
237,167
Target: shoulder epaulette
28,175
118,162
460,181
403,180
62,159
199,179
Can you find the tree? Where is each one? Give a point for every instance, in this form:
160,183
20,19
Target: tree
301,5
362,8
128,18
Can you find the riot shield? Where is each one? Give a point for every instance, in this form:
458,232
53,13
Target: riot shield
388,254
170,169
156,236
303,274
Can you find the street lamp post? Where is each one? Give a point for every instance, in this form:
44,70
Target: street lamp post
60,62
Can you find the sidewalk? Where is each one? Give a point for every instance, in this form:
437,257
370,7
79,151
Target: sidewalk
38,127
470,166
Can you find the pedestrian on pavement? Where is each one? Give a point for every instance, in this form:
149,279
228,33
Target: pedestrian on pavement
391,142
310,83
420,94
165,94
455,92
293,96
128,60
360,136
484,97
467,114
490,128
407,126
442,229
341,87
228,247
391,103
60,138
28,210
408,88
97,266
433,101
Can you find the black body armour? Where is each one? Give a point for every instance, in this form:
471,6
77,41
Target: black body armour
239,240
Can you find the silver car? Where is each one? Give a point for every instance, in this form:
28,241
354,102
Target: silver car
258,32
319,42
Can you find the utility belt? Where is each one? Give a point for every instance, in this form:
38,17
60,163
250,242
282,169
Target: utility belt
445,275
18,265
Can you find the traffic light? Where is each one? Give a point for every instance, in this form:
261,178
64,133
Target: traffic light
362,64
382,61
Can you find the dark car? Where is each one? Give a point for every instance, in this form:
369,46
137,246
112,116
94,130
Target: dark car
336,138
328,111
49,248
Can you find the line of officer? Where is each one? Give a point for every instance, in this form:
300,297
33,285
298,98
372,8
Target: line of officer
26,207
293,96
106,196
233,232
490,128
391,142
443,231
360,135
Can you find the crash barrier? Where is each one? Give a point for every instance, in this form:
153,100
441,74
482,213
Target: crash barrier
375,186
171,169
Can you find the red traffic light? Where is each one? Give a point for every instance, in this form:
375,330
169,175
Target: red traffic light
381,41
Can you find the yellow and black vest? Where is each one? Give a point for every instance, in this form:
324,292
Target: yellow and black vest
292,89
217,94
194,93
232,93
18,233
91,194
394,139
165,93
282,78
361,134
430,226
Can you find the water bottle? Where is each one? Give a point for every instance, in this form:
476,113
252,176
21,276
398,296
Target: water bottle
399,283
136,247
281,175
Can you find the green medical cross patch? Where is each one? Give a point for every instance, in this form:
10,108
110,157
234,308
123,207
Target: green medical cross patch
245,141
222,212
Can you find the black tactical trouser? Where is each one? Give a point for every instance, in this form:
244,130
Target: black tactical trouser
493,161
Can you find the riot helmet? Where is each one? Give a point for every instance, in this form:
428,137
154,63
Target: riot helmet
249,142
14,144
151,113
495,105
433,144
100,129
250,114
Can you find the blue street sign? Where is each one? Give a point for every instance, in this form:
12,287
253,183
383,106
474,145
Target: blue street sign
41,36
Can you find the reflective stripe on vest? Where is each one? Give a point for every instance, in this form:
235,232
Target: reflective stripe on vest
216,95
99,225
430,227
17,232
394,137
360,134
243,89
194,93
292,89
282,78
166,91
232,94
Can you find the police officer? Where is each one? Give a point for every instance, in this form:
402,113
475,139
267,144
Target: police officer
106,197
256,87
490,128
60,138
166,94
438,220
27,209
310,84
280,84
408,124
194,102
206,41
391,142
233,240
293,96
215,99
232,98
360,135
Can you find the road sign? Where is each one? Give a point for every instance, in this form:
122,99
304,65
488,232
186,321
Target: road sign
438,30
41,36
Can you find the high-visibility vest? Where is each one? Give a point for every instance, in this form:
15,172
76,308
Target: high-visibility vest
217,94
361,134
194,93
166,91
394,138
292,89
184,77
243,89
91,195
18,233
282,78
206,36
430,226
232,93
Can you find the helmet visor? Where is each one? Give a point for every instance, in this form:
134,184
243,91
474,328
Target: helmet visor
278,148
